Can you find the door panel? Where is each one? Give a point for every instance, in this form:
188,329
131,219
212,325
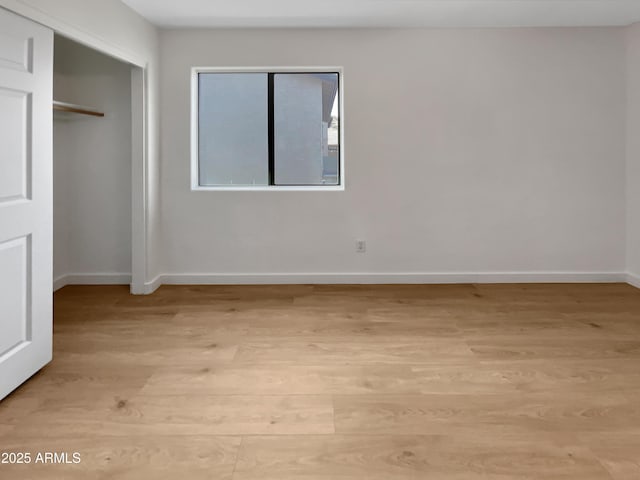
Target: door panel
16,52
26,83
14,276
15,161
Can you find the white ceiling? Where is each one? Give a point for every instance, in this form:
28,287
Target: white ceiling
387,13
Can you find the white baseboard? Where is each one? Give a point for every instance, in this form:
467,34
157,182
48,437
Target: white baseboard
59,282
633,279
149,287
395,278
345,278
146,288
91,279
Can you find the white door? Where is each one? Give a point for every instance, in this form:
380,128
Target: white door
26,83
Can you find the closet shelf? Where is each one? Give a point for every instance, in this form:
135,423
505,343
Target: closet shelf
73,108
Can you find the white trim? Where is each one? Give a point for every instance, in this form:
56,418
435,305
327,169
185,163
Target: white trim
195,164
59,282
274,188
633,280
269,69
91,279
139,178
345,278
195,183
392,278
149,287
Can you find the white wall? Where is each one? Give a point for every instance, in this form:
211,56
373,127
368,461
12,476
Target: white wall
466,151
92,165
112,27
633,153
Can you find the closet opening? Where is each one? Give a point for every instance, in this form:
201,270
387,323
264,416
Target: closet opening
93,148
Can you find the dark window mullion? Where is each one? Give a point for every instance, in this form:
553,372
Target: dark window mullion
271,133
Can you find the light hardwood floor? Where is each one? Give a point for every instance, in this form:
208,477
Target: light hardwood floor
487,382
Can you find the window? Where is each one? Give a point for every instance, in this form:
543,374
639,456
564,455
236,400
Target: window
266,129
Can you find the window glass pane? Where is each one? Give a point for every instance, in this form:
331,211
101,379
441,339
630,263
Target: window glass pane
232,129
306,139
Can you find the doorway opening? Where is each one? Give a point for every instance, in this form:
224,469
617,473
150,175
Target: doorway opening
93,156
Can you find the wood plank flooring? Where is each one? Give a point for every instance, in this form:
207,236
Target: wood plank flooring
457,382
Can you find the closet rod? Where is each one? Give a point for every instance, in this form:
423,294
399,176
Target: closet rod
72,108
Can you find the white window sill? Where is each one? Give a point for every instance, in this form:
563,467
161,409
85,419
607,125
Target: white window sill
328,188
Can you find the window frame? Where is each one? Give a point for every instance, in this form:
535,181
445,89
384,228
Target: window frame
195,165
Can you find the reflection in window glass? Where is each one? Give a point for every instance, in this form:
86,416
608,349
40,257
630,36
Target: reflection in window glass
232,129
306,138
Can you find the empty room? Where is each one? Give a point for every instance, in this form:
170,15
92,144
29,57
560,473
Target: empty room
339,240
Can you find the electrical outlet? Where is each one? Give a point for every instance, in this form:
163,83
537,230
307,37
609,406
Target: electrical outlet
361,246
